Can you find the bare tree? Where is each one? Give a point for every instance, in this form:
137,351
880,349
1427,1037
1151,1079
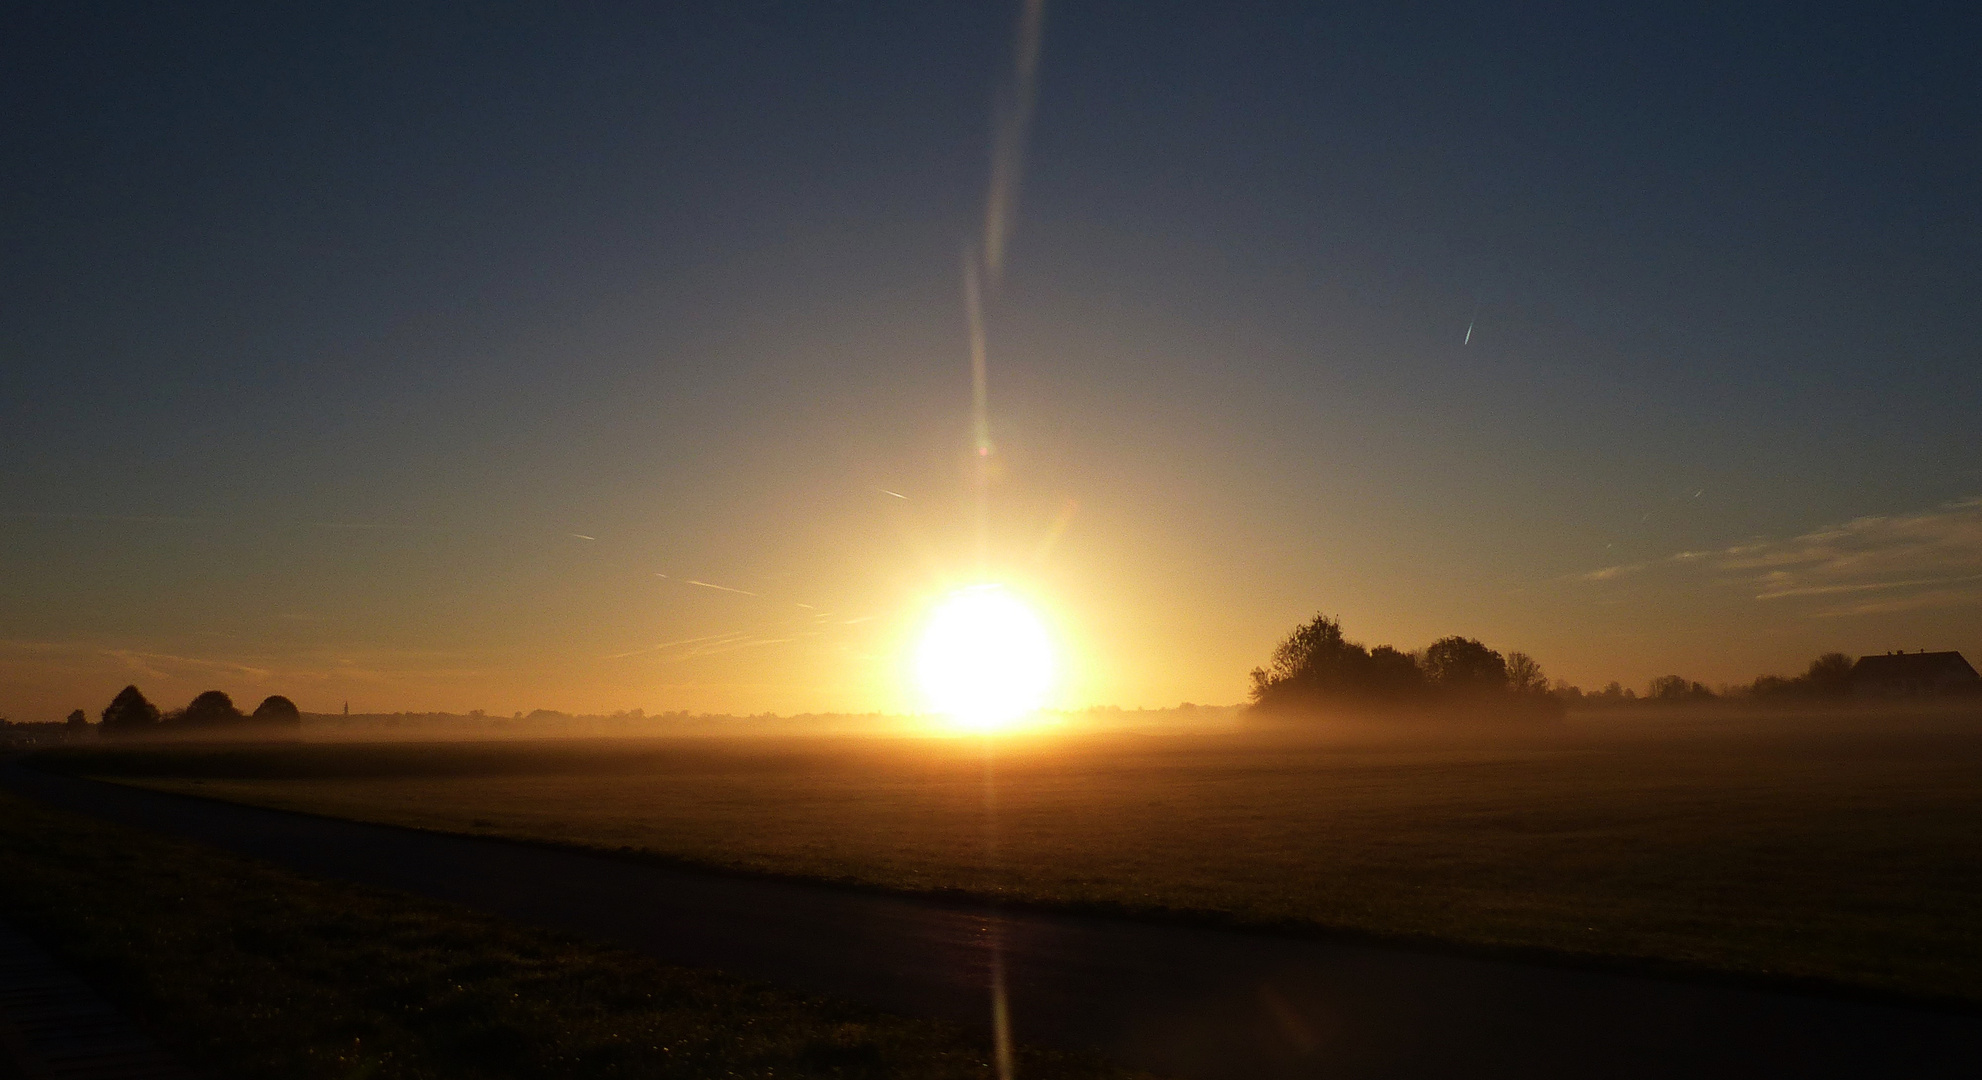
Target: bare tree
1524,675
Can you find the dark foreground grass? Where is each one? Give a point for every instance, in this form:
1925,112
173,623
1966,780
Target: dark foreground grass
249,971
1837,851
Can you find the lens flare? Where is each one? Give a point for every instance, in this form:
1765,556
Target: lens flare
985,659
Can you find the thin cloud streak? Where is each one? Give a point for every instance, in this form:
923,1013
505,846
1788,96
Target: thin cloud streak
1925,551
673,644
1612,573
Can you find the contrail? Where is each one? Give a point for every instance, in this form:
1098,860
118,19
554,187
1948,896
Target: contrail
582,536
1470,320
706,585
671,644
896,494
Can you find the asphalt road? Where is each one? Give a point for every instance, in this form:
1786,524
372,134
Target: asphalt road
1180,1001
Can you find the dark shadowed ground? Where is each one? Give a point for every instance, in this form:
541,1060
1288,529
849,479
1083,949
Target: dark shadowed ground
1193,1002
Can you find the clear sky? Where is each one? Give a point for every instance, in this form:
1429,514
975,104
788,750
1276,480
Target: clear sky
393,352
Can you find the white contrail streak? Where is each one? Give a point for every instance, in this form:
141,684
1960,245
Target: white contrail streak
725,588
706,585
732,635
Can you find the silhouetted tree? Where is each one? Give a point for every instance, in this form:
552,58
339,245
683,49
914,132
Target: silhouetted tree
1830,675
1463,665
78,720
276,709
1393,675
211,709
1524,675
1317,665
129,714
1676,688
1315,661
1768,686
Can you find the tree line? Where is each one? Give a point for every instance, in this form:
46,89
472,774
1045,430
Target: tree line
131,714
1316,666
1827,678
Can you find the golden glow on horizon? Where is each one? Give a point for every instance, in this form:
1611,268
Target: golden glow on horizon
985,659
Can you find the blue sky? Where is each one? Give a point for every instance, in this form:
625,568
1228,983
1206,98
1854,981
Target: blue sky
330,333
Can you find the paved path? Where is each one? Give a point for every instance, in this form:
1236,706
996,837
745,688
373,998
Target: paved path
1187,1002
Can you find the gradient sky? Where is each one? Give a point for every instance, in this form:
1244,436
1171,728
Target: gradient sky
391,352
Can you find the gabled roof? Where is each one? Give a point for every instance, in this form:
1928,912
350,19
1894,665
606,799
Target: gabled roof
1937,667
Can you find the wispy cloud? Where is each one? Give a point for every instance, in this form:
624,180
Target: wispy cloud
1866,566
1612,573
168,665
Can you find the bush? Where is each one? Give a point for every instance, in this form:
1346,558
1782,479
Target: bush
276,709
210,710
130,714
1676,688
1829,676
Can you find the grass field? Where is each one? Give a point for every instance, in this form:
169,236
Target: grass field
1840,851
252,972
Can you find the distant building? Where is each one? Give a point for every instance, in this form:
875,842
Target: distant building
1913,674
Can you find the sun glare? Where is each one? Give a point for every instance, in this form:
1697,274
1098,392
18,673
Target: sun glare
985,659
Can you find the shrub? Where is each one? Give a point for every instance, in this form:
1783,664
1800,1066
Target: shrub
130,714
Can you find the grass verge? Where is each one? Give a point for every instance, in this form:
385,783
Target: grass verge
249,971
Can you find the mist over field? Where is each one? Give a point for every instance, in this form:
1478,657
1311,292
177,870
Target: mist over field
1776,844
1003,541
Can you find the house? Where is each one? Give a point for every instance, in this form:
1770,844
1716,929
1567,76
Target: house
1913,674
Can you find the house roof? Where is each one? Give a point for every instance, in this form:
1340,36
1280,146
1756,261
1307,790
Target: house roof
1915,666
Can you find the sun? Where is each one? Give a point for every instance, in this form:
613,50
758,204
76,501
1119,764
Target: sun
985,659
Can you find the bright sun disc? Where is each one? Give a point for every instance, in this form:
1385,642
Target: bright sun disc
985,658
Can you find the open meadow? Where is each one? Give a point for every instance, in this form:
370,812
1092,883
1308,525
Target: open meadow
1837,850
247,970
